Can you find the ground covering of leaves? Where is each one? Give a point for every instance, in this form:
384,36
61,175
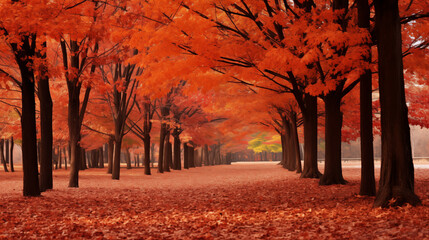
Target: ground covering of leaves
243,201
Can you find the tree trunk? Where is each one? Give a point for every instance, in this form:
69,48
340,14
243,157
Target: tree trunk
310,138
83,165
74,136
333,122
101,157
170,154
191,157
128,158
111,147
185,156
65,159
161,148
3,160
167,152
46,143
367,183
147,151
397,170
12,144
60,157
117,158
6,146
206,155
177,161
295,139
23,57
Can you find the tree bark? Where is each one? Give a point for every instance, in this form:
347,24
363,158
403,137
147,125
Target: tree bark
128,157
333,122
367,183
167,152
111,147
185,156
309,114
46,143
147,151
161,148
117,158
397,170
101,157
6,146
191,157
12,144
24,58
177,161
65,159
3,160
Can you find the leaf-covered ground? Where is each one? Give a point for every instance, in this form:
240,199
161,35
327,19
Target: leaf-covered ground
243,201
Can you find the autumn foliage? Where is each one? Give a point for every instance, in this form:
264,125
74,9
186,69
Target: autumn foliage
177,85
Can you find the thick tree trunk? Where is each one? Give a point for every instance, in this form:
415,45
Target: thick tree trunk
185,156
12,144
111,147
23,56
333,122
3,160
310,138
29,142
367,183
397,170
147,151
177,161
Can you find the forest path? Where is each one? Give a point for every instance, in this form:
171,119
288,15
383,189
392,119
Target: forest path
241,201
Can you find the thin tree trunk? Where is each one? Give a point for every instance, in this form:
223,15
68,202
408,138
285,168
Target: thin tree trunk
3,160
128,158
101,157
367,183
60,157
185,156
111,147
7,150
117,158
397,170
161,148
191,157
12,144
147,151
167,152
46,143
177,161
65,158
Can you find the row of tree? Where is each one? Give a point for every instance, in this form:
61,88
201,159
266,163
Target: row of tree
215,71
